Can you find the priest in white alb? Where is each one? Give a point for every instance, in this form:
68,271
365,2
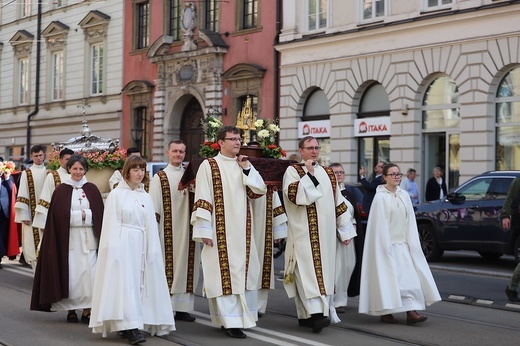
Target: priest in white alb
31,184
221,219
315,210
52,180
181,253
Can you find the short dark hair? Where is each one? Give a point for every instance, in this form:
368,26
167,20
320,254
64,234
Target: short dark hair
66,151
411,170
335,164
176,141
134,162
224,130
302,141
132,150
36,149
77,158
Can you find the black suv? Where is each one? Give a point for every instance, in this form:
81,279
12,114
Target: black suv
468,219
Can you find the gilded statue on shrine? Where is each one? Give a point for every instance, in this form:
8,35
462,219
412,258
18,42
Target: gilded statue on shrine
246,120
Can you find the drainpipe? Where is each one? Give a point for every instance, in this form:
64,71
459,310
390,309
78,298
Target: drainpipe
37,80
276,59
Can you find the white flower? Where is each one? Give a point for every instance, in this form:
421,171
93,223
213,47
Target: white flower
214,124
259,123
263,133
273,128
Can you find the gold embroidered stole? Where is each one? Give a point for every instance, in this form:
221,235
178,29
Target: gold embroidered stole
57,179
32,200
220,221
268,245
314,236
168,227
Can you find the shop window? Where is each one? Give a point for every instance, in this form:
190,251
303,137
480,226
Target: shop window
317,109
508,122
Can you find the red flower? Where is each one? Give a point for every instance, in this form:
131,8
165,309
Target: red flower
272,146
208,143
284,154
215,146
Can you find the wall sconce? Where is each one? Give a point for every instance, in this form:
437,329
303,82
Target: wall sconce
404,109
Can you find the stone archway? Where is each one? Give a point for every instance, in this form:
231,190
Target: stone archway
191,128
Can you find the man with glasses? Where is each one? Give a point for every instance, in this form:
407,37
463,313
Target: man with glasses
180,253
316,210
31,184
370,187
221,219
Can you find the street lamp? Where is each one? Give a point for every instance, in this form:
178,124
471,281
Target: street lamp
137,136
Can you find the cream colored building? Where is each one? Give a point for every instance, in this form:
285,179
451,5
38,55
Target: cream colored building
79,62
416,82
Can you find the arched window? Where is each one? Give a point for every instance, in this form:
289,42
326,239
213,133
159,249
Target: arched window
375,104
441,121
316,108
440,106
508,122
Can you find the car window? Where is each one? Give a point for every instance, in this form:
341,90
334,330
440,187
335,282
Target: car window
476,189
500,187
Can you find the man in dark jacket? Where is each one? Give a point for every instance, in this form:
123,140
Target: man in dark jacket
370,187
510,217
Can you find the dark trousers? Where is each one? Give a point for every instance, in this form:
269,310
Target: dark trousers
4,229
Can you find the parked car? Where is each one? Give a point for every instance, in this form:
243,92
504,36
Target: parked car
468,219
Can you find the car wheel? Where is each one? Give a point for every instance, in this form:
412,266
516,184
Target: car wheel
490,256
431,249
516,249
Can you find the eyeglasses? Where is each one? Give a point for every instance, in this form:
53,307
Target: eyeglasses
339,172
395,175
233,139
312,148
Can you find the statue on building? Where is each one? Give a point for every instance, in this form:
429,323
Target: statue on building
189,23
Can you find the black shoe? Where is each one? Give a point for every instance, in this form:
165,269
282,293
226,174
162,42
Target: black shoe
319,322
123,333
85,318
72,317
184,316
512,295
236,333
305,322
135,337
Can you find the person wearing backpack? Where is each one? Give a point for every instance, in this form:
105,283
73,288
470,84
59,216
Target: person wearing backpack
510,220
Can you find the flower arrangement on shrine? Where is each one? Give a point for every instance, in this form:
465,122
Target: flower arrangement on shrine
96,159
7,166
266,134
210,147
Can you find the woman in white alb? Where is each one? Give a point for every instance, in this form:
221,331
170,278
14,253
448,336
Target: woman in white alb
130,289
395,276
66,266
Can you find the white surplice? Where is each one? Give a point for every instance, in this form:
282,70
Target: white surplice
42,207
130,289
395,276
232,299
179,256
278,220
345,263
23,210
310,272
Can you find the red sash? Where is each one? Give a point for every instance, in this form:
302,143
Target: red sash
13,245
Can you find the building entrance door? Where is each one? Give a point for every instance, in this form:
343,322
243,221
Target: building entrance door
442,149
191,128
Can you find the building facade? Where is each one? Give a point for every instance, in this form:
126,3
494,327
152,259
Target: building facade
185,60
60,63
421,83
